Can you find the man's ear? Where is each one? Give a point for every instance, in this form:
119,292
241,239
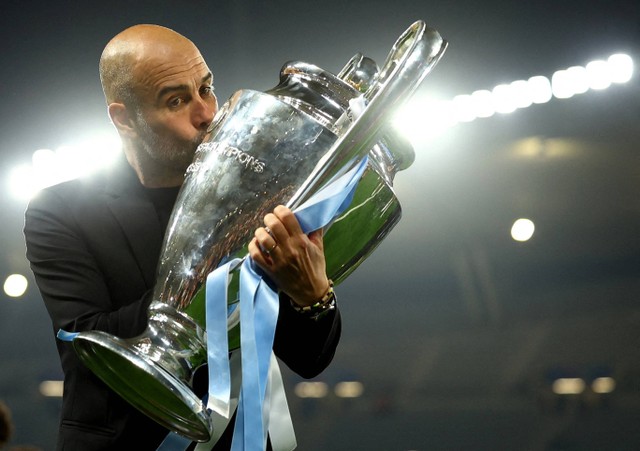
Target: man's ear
121,118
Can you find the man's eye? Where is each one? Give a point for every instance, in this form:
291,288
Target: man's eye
175,102
207,90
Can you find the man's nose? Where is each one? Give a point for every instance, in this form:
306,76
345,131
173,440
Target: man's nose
204,112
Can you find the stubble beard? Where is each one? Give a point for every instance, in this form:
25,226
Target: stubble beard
172,154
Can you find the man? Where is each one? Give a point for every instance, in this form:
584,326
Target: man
94,244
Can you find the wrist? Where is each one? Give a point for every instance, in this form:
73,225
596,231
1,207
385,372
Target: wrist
311,294
319,308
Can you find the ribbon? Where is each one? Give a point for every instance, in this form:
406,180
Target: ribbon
66,336
217,342
174,442
280,426
258,315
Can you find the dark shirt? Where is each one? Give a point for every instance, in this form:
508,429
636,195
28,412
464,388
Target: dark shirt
163,200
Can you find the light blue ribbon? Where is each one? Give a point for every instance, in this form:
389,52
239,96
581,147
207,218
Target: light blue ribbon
258,316
66,336
218,353
174,442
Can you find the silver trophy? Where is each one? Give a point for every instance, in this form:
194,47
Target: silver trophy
264,149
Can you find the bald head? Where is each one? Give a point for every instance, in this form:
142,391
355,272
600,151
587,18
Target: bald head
160,98
122,56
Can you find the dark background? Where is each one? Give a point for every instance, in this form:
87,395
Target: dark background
455,330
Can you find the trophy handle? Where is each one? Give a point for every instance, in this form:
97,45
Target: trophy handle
418,41
411,58
360,72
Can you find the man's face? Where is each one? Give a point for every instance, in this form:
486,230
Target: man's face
176,106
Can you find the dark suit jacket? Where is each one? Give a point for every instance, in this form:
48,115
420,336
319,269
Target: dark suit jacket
94,245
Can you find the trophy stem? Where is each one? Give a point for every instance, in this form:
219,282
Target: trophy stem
154,371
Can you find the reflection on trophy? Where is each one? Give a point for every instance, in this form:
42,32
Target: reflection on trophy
264,149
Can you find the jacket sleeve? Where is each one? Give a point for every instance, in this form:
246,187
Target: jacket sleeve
303,344
70,280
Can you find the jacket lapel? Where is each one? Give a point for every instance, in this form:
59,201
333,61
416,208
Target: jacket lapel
137,216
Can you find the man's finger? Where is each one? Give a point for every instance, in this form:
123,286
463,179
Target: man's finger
288,219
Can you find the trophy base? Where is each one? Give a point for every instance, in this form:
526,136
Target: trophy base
144,384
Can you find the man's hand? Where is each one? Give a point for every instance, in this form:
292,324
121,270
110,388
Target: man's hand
294,261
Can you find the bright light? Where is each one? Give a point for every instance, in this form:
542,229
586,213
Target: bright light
424,118
568,386
579,79
620,68
567,83
22,184
521,94
598,75
46,168
351,389
51,388
504,99
311,389
603,385
482,103
463,108
540,88
65,163
87,157
419,120
43,158
561,85
15,285
522,229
